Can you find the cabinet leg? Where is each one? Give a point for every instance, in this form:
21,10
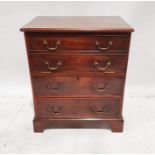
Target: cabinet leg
38,126
116,125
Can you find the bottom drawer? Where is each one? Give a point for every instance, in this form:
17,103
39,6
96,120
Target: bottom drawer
78,108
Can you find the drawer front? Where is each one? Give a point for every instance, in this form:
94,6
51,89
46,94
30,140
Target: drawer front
78,108
75,64
98,43
77,86
55,108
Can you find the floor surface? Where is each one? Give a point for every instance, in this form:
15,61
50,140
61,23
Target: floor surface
17,136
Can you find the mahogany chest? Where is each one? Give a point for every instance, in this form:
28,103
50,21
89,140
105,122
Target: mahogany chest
78,68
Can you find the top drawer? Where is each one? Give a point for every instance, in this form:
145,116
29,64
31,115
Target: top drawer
106,43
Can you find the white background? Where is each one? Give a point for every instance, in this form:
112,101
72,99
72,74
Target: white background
16,108
14,75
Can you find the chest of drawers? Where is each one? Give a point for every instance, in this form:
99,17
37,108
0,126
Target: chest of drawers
78,69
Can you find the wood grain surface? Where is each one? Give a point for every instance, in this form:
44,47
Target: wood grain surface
77,24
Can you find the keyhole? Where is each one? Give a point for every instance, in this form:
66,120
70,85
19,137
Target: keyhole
78,78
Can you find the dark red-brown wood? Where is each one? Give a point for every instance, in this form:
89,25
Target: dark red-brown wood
75,42
69,90
116,125
77,86
78,64
77,24
78,108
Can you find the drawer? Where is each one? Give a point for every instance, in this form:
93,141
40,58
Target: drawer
98,43
77,86
90,64
78,108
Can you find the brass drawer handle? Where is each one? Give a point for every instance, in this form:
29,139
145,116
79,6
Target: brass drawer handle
51,48
54,110
104,109
59,63
101,87
102,69
104,48
53,88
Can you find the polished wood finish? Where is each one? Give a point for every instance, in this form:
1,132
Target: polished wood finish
77,24
77,86
78,108
74,42
78,63
78,70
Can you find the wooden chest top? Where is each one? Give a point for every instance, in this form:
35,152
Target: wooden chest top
77,24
